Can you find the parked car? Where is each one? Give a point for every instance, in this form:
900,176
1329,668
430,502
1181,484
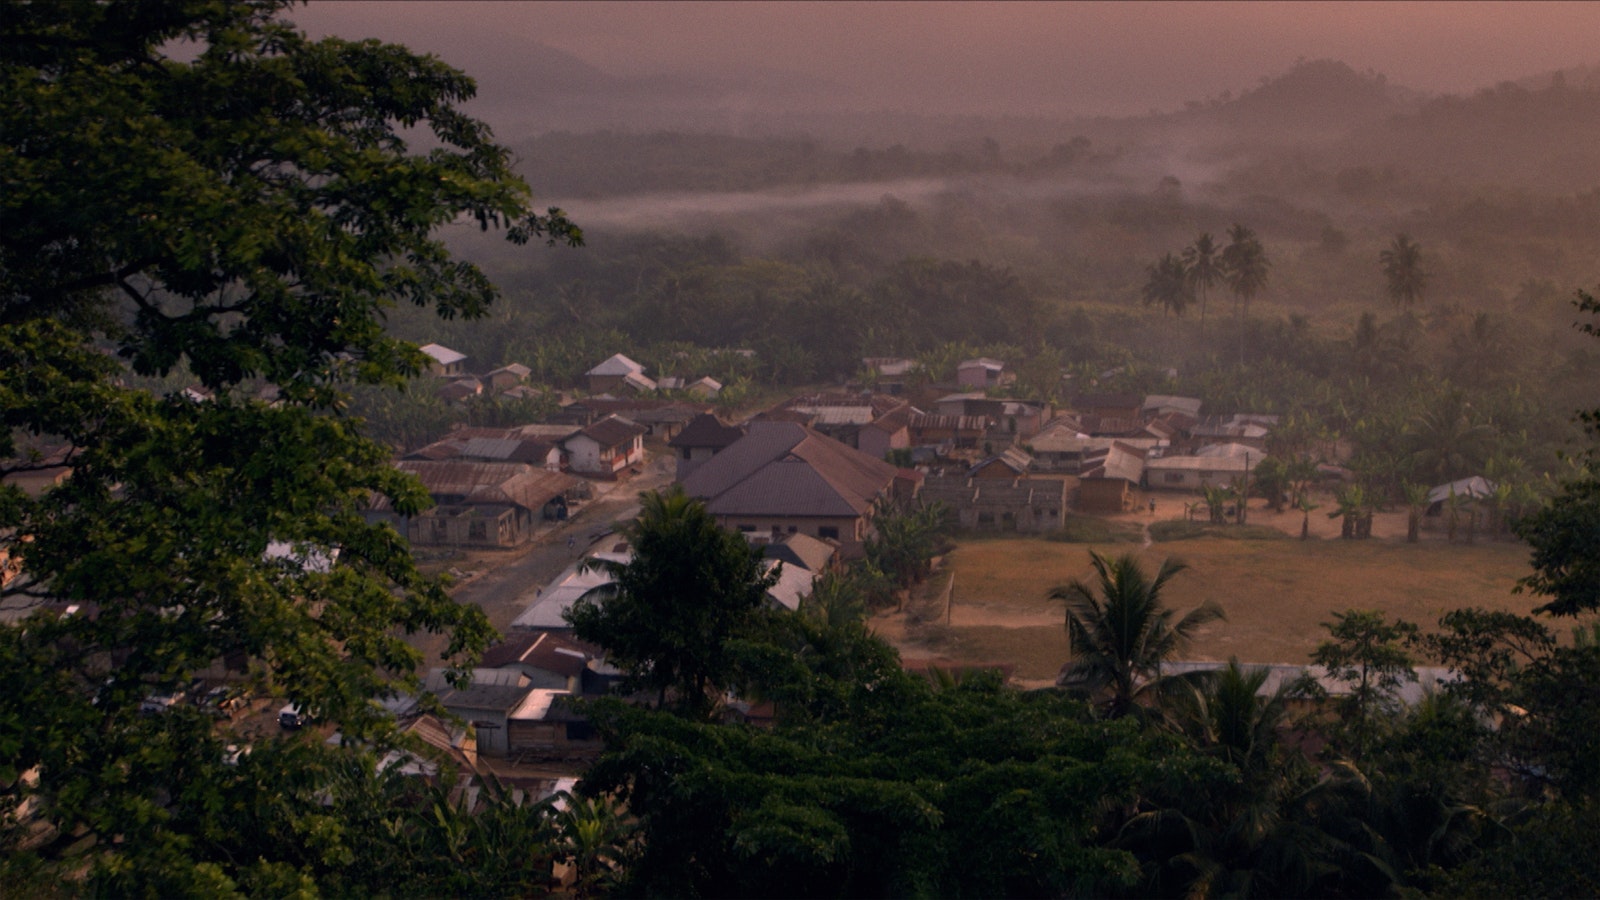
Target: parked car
291,717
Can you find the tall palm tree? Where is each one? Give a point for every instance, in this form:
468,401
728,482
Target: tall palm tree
1202,269
1402,270
1244,267
1121,631
1168,286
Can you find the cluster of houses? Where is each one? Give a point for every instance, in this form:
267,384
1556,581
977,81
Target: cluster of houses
816,463
617,376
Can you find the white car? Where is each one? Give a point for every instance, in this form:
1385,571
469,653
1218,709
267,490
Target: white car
291,717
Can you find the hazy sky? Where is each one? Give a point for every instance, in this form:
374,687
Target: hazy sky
1091,58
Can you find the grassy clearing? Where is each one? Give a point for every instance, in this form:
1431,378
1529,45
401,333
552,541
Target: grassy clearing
1180,530
1276,593
1092,530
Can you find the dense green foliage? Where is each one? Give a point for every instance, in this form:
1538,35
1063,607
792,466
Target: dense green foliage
195,186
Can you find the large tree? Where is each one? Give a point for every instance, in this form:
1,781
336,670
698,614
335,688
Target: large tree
1167,286
1121,630
195,190
670,612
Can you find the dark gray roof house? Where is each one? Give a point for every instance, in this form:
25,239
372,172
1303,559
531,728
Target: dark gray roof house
784,476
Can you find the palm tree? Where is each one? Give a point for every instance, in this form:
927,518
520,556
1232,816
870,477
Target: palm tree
1402,270
1244,267
1168,286
1228,716
1202,270
1447,443
1121,632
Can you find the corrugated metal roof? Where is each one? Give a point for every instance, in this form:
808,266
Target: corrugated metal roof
441,354
617,364
1467,488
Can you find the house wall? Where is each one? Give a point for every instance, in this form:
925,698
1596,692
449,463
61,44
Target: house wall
977,377
1187,479
490,727
844,529
606,384
503,381
1032,506
1104,495
478,526
877,443
588,457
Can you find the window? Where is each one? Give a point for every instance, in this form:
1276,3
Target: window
1174,478
829,532
747,529
478,530
793,529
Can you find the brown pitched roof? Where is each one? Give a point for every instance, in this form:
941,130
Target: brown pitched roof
540,650
706,430
786,469
487,483
612,431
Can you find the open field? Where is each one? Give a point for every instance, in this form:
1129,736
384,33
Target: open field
1276,594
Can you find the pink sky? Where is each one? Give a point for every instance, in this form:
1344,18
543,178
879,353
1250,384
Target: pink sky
1113,58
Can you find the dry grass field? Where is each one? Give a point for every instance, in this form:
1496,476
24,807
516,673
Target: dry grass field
1276,593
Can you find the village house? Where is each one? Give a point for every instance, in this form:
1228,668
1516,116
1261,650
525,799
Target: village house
1009,464
662,417
1157,405
507,377
548,659
783,477
443,361
486,703
704,437
493,445
487,504
1241,428
618,374
889,374
607,448
548,610
980,373
890,431
1107,479
842,417
1029,505
1218,465
460,389
1458,504
947,432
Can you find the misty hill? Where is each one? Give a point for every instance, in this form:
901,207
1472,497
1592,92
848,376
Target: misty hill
1547,140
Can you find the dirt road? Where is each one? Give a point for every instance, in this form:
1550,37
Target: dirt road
506,583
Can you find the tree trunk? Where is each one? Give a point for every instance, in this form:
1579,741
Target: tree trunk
1413,527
